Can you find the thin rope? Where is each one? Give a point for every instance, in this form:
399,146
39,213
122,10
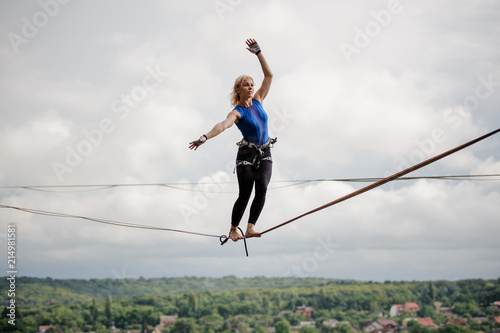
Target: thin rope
385,180
115,223
351,195
177,186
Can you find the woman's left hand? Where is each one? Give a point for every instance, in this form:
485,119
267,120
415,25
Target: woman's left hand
253,46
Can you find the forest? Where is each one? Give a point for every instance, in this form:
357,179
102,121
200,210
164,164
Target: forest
229,303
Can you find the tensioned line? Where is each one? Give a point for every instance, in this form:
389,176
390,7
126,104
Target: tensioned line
386,180
349,196
178,186
115,223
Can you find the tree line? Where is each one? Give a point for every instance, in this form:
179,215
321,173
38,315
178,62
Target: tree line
220,304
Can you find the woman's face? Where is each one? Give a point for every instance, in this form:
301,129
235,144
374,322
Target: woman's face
246,89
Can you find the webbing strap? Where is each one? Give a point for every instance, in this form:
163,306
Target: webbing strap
223,239
387,179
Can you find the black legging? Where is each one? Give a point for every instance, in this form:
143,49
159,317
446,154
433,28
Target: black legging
248,175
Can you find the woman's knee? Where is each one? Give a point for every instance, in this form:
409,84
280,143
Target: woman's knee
244,196
260,190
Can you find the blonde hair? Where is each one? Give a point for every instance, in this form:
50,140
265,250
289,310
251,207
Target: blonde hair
234,96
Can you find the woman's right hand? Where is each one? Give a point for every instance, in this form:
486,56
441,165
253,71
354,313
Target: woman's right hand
195,144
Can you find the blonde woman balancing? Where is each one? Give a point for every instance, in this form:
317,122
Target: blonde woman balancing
253,160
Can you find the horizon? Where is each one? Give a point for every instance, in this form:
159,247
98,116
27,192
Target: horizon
260,276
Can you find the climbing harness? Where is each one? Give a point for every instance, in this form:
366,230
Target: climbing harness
257,153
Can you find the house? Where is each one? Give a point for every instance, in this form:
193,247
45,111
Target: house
425,322
388,325
480,319
396,310
166,321
379,314
330,322
113,329
45,328
311,324
496,304
284,312
335,323
445,311
381,326
152,330
411,307
372,326
308,324
399,309
305,311
457,321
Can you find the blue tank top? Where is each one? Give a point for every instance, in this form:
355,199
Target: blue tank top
253,123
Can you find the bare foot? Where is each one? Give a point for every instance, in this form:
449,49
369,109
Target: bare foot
251,232
235,235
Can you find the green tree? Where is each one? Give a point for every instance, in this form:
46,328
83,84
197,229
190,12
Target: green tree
432,291
492,311
184,325
94,313
343,328
224,310
242,326
192,304
108,311
214,322
283,326
452,328
307,329
426,311
416,327
260,329
472,308
466,309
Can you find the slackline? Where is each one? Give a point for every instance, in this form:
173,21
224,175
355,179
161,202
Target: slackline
114,223
223,239
385,180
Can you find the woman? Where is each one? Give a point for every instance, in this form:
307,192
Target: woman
253,161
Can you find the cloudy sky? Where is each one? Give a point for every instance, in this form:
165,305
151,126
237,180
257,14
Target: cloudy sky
112,92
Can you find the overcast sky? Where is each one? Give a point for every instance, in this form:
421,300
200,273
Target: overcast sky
112,92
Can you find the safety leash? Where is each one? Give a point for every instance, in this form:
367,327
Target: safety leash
223,240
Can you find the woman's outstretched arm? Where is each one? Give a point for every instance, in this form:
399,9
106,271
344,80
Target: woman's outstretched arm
232,118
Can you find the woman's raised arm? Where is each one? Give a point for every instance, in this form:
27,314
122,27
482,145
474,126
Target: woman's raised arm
254,47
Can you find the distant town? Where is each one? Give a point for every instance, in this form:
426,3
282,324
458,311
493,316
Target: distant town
260,305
